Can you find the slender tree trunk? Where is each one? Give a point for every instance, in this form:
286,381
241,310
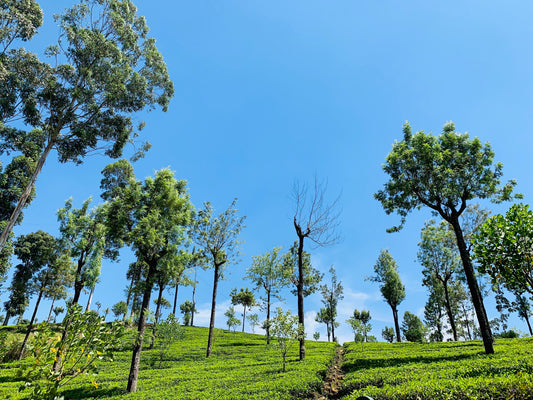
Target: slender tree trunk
141,325
396,324
328,329
193,301
78,282
467,322
51,309
6,319
128,299
213,305
90,299
157,312
475,293
268,317
526,317
25,194
300,292
243,317
449,310
175,300
30,326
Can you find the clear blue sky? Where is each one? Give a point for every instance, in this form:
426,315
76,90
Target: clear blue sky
272,92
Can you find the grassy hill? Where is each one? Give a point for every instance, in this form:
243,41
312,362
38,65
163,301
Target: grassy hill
453,370
242,366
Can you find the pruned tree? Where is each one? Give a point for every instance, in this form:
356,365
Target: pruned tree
268,273
317,220
187,309
217,238
245,298
391,288
332,293
444,173
286,330
359,322
107,68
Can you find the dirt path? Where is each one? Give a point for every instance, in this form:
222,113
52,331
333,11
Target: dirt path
334,377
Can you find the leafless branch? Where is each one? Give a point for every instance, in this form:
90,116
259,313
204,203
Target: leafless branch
314,217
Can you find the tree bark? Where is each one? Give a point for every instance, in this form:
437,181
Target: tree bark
6,319
89,301
449,310
243,317
467,323
175,300
268,317
481,313
300,292
526,317
396,324
51,309
25,195
213,305
78,283
193,301
30,326
157,311
137,347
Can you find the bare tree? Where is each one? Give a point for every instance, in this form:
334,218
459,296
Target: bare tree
317,220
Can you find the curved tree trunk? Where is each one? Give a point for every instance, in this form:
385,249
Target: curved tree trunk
89,301
475,293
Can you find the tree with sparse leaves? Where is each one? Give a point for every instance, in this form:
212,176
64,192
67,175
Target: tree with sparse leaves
331,295
444,173
318,221
217,238
245,298
268,273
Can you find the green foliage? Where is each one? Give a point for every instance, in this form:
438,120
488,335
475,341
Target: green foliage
253,320
312,276
359,322
413,328
316,335
119,309
287,331
439,371
187,308
245,298
88,340
442,173
168,332
503,248
388,334
232,321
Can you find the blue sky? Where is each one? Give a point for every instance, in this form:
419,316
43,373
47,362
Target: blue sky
272,92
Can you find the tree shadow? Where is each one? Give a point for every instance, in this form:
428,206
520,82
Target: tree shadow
89,392
353,366
5,379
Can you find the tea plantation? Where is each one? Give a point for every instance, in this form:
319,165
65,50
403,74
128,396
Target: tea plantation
241,366
453,370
